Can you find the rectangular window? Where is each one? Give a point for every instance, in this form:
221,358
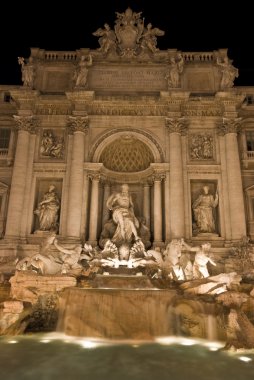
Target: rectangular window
5,134
250,140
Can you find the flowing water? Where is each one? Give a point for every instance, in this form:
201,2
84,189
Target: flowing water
51,356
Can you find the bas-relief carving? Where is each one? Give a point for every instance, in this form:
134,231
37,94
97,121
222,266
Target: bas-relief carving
52,144
201,146
130,37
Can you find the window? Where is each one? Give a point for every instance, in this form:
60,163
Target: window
7,97
250,140
4,138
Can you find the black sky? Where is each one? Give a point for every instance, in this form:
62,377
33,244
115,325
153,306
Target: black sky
188,25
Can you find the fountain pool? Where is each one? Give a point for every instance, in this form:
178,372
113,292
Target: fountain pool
57,356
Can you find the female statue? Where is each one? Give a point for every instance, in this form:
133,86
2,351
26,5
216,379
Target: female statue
48,210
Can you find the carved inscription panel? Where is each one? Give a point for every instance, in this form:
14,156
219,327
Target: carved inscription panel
127,78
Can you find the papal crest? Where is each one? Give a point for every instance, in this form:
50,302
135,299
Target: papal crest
130,36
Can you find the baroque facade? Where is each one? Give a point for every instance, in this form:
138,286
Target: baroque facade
168,123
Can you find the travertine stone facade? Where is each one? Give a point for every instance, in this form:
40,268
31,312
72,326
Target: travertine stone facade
127,124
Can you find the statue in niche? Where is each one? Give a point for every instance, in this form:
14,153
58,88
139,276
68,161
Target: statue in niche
80,74
229,73
48,210
51,146
107,38
123,216
203,209
27,70
175,69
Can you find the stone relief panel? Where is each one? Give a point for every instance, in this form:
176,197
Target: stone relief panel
52,144
47,205
204,207
201,146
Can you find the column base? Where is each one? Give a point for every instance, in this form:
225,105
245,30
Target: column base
93,243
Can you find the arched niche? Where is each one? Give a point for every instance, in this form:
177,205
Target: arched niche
140,136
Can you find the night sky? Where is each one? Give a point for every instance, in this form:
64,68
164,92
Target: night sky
188,25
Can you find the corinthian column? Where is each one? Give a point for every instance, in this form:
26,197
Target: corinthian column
25,126
93,221
79,128
106,194
175,129
157,204
229,129
146,203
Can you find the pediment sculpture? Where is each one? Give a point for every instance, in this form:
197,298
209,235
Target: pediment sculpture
130,36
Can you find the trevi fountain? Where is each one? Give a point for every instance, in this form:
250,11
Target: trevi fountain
126,213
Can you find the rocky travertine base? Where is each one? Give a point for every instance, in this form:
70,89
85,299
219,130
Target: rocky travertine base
27,286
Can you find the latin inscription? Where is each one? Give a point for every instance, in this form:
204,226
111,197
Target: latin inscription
136,79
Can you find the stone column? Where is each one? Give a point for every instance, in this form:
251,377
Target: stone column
146,203
175,129
235,187
27,198
106,194
25,125
93,220
79,128
157,178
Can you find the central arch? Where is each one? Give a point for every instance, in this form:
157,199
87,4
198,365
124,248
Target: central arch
110,136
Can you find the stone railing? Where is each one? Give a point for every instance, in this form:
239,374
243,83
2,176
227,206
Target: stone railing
60,56
247,158
248,155
198,56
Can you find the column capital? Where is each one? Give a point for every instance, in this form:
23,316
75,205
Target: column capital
94,177
176,125
105,180
229,126
158,177
26,123
78,124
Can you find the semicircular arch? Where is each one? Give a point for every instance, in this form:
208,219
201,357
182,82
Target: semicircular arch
107,138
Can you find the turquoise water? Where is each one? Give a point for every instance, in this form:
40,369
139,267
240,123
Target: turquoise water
50,356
